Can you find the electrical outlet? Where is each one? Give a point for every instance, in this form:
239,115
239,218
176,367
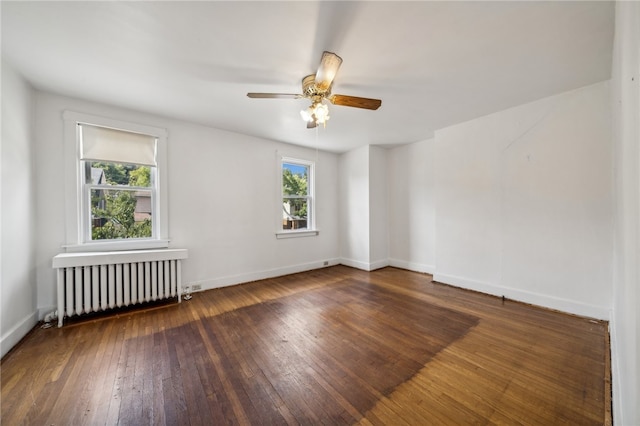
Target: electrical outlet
196,287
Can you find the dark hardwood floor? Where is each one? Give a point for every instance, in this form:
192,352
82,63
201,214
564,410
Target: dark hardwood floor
331,346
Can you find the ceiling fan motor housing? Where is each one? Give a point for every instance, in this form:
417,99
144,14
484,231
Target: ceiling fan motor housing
310,88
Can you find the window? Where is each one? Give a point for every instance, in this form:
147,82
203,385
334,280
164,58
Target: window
297,200
119,198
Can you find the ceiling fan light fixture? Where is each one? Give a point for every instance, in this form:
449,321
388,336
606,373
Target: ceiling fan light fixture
307,114
317,112
321,113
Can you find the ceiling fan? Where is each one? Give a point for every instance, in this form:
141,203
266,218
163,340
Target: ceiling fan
317,88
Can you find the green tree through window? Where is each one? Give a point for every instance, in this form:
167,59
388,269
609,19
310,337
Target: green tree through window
117,193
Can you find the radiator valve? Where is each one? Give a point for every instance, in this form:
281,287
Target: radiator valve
186,293
51,316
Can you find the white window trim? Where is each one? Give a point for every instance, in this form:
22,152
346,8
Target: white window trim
311,229
296,234
75,233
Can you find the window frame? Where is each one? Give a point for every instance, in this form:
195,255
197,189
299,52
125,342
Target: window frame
311,229
77,203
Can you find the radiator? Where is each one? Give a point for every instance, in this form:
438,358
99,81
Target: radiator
100,281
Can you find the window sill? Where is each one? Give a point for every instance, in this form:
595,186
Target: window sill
297,234
116,245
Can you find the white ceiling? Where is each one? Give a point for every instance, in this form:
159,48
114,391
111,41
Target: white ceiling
433,64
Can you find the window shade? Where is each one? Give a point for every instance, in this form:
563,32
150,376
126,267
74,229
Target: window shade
105,144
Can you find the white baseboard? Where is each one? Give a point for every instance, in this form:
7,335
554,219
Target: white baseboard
412,266
365,266
559,304
355,264
378,264
616,390
261,275
17,332
564,305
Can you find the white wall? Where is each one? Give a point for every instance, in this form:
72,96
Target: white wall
411,206
625,320
223,199
523,203
353,207
378,208
363,206
18,278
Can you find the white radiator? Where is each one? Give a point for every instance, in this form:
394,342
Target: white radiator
92,282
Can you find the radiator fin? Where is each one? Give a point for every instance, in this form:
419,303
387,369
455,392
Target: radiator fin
94,288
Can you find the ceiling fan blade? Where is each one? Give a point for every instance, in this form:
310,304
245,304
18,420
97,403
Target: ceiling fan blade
354,101
311,124
329,65
274,95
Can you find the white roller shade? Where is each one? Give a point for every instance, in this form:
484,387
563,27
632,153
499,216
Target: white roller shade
117,146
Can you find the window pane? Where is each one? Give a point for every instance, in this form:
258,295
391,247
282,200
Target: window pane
104,173
294,213
295,179
120,213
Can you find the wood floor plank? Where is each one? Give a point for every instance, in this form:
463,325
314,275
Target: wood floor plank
330,346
